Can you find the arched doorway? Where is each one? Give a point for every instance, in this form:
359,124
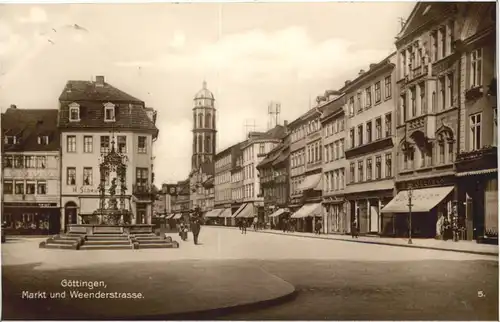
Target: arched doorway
69,214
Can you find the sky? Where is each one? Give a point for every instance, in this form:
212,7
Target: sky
249,55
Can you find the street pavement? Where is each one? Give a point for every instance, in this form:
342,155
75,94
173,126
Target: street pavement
333,279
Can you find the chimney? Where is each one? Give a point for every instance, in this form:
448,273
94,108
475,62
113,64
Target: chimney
285,125
13,106
150,112
372,66
347,82
99,81
361,72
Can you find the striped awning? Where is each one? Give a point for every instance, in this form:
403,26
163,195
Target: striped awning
247,212
214,213
177,216
239,210
279,212
308,210
476,172
226,213
311,182
423,200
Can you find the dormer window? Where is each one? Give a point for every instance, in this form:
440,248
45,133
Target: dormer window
43,140
10,140
74,112
109,112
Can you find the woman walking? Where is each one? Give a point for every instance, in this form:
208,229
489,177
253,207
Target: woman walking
354,229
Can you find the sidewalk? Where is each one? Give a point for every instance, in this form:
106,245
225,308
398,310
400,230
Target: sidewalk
462,246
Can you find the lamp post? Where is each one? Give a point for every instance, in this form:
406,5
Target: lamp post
410,196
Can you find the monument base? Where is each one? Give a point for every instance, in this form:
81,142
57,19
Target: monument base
91,229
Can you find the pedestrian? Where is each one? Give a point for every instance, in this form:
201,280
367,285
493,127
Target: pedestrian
319,226
195,227
354,229
439,227
255,223
283,224
244,224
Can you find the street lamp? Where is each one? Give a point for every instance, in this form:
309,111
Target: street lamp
410,196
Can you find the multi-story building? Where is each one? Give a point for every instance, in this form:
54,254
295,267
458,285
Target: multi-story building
181,204
163,204
236,183
197,190
31,172
476,163
254,151
443,63
369,150
306,156
95,119
223,184
273,174
336,218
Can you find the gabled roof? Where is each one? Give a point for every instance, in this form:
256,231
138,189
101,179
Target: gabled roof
423,13
272,155
333,107
78,90
27,125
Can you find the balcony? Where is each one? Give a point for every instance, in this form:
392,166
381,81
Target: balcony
143,190
425,123
485,158
474,93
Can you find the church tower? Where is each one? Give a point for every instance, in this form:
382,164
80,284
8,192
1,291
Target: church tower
204,128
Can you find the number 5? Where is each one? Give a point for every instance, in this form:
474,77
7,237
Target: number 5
480,294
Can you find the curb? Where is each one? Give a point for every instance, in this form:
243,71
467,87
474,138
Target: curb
377,243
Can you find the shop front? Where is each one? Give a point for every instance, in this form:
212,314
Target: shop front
31,218
305,217
336,219
427,206
366,207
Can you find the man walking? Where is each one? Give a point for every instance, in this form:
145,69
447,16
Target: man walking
195,227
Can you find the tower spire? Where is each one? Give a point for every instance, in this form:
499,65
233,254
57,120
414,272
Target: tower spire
204,84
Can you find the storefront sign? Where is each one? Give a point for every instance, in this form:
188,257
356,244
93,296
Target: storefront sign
85,189
30,204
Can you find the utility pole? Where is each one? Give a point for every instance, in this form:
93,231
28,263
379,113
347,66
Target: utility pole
249,124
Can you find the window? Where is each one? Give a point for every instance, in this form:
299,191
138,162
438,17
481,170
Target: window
378,167
74,112
368,93
30,188
351,172
388,124
7,161
87,176
388,165
29,161
442,36
361,176
122,144
360,135
88,144
388,87
413,98
262,148
360,103
41,161
327,154
341,148
200,120
71,176
7,187
441,148
476,73
368,131
105,144
449,93
43,139
71,143
442,95
475,132
369,169
378,94
403,108
351,137
10,140
337,153
141,146
109,112
19,185
41,187
341,183
495,127
378,128
351,106
434,40
141,177
423,103
208,120
403,63
18,161
341,124
451,30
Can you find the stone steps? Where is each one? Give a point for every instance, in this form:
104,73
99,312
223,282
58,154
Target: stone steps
99,247
59,246
61,241
107,242
159,245
94,237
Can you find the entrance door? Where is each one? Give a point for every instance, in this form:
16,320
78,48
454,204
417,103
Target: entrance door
141,214
69,214
374,214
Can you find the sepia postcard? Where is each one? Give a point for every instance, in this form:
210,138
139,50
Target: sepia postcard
249,161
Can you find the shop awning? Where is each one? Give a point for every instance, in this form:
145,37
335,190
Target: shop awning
278,212
214,213
239,210
311,182
177,216
423,200
476,172
226,213
247,212
308,210
170,216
